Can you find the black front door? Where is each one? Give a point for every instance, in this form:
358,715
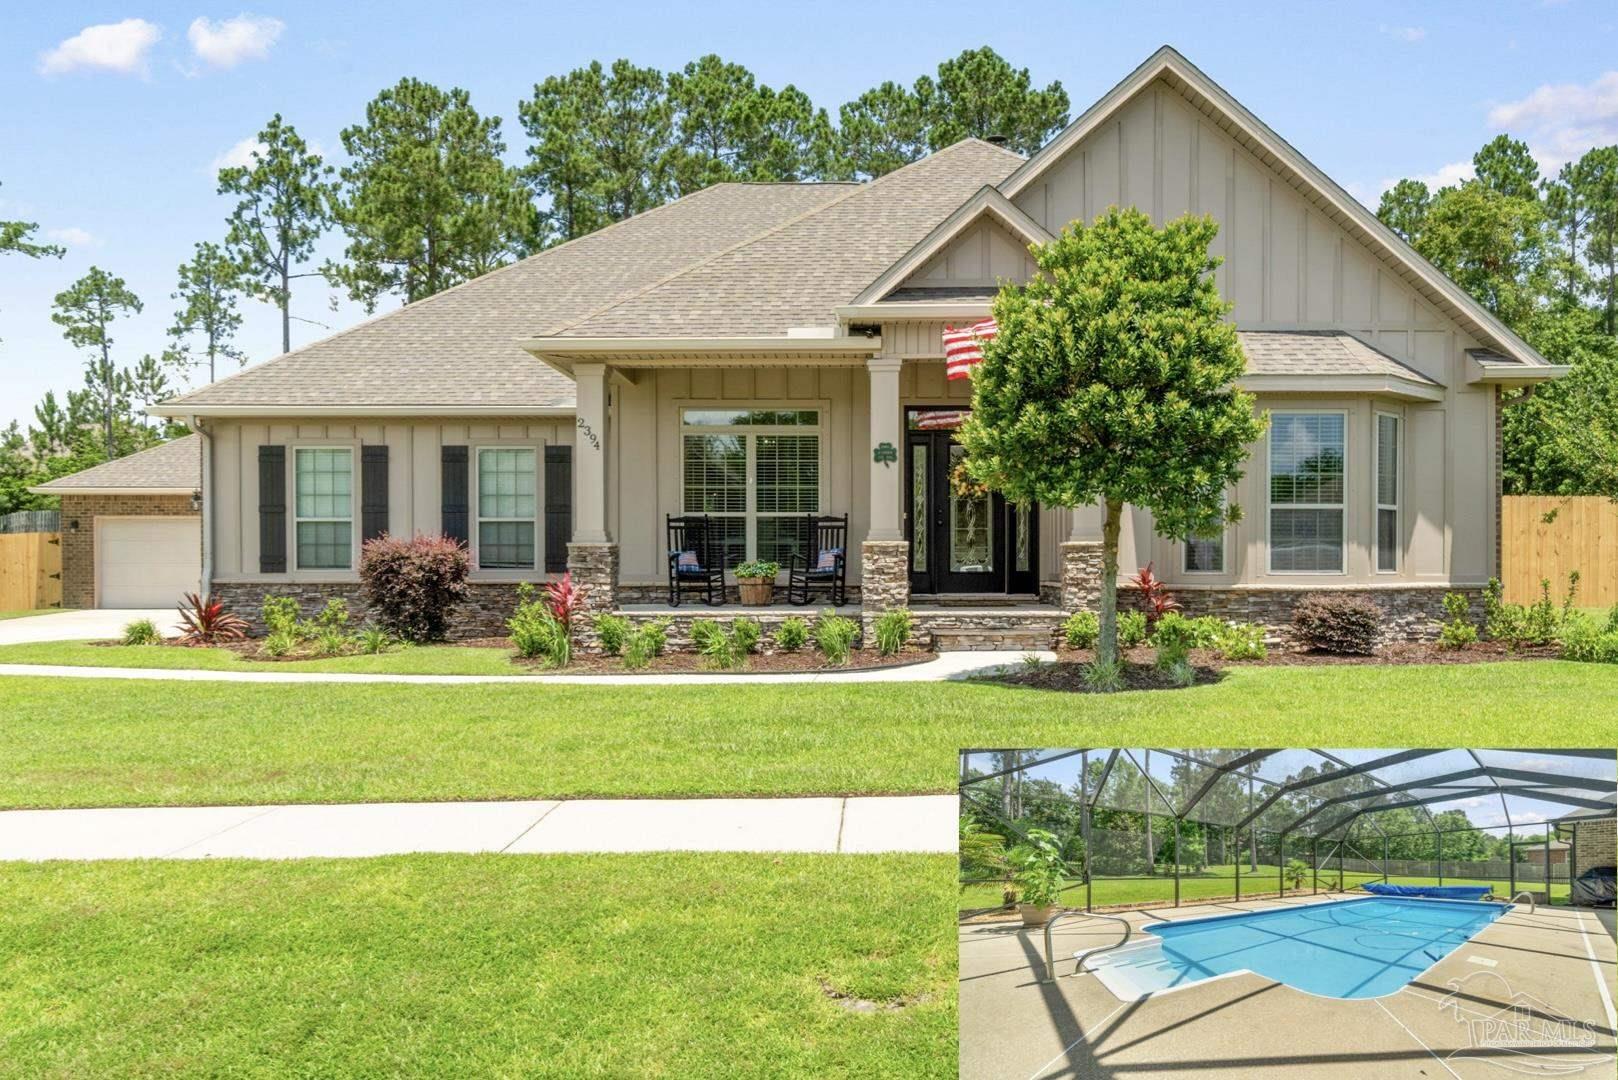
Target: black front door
962,540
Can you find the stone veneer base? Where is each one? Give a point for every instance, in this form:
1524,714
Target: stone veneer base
1411,613
483,613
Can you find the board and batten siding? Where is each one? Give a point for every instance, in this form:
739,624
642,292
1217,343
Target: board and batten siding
413,474
984,255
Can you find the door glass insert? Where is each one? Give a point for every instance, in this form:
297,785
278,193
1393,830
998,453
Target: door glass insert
971,525
920,522
1021,558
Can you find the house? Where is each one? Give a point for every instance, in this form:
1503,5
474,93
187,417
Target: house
757,352
132,528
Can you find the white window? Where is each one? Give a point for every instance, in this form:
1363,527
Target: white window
1307,482
508,500
753,470
1206,554
1388,448
323,507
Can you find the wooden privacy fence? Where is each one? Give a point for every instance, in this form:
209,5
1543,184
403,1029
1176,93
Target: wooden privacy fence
1582,535
30,570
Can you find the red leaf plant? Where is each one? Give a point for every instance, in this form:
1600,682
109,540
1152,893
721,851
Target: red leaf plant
1154,594
206,622
565,599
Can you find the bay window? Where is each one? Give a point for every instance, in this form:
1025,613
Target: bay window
1388,432
508,489
1307,484
753,471
323,507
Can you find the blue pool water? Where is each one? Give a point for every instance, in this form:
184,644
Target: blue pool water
1347,949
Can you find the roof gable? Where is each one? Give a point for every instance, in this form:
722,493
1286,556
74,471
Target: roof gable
1276,154
927,264
174,467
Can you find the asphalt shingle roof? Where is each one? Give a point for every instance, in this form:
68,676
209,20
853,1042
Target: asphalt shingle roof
460,347
1319,352
176,464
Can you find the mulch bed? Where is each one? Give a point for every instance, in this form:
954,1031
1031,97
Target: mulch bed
1067,673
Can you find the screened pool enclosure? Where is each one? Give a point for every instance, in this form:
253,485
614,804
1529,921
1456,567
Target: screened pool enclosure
1151,827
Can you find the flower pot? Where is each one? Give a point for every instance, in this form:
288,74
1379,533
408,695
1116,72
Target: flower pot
757,591
1037,914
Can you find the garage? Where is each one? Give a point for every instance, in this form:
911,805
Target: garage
147,562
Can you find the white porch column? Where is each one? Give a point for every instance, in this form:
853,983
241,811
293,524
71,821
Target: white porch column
887,476
590,455
885,554
592,557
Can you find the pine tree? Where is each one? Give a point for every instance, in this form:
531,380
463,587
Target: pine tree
86,311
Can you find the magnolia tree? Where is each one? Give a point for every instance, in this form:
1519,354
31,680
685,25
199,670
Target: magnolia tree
1113,379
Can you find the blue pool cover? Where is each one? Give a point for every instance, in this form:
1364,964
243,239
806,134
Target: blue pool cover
1344,949
1442,892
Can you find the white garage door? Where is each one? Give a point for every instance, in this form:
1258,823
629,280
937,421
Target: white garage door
147,562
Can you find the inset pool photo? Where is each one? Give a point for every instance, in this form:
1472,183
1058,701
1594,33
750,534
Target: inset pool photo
1275,913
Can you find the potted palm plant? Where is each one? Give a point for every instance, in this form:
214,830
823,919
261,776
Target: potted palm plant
1038,871
756,580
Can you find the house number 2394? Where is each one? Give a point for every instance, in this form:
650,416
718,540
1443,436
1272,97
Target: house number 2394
589,433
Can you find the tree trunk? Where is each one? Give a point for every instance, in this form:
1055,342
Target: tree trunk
286,310
106,394
1107,646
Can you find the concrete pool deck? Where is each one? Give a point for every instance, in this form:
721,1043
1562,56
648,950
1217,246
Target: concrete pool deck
1548,968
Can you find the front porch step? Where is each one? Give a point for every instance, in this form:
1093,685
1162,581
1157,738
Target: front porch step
962,639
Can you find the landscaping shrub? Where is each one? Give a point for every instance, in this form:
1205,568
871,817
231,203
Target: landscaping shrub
1104,677
1336,623
1241,641
793,634
613,630
373,640
1181,673
279,643
725,648
565,599
413,586
1082,630
1539,623
1131,629
1587,641
745,634
834,636
1457,631
330,641
536,632
334,616
280,615
206,622
892,631
141,632
644,642
1612,619
1176,630
1154,595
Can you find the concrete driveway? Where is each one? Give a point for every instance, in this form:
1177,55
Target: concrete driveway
96,625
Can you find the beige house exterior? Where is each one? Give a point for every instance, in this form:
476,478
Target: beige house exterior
753,350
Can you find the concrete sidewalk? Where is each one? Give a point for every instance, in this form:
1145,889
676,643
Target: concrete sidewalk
944,667
911,823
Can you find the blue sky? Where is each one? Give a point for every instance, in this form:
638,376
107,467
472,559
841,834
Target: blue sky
112,135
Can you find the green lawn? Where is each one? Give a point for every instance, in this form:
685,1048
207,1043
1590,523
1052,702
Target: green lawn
448,965
91,742
422,660
4,615
1220,882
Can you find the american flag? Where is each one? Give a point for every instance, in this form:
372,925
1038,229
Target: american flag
964,347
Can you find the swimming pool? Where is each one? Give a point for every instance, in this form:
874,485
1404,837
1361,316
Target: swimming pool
1344,949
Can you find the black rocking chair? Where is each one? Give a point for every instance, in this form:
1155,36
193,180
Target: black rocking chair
819,562
696,559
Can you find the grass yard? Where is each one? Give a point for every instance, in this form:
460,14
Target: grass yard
1220,882
4,615
420,660
89,742
449,965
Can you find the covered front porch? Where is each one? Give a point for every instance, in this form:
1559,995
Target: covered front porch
755,435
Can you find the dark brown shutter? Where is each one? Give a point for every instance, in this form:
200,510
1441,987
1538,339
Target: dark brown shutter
558,506
454,504
272,509
373,492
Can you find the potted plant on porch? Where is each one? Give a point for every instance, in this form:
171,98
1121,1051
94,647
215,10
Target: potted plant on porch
756,580
1038,871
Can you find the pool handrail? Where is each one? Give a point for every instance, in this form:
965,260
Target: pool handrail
1525,892
1050,952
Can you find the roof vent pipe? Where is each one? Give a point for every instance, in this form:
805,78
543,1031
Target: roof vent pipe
996,140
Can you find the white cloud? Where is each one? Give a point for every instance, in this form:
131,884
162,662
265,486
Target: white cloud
1561,121
229,42
1444,176
72,236
120,47
240,155
1411,34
